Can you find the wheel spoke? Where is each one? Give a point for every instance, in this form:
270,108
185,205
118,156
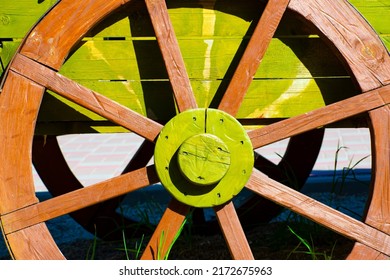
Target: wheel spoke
166,231
253,56
87,98
318,212
170,50
320,117
233,232
78,199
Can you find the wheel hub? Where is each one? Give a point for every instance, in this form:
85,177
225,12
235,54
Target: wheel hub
203,157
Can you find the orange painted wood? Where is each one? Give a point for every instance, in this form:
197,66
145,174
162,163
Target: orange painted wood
100,219
47,46
78,199
18,123
34,243
320,213
170,50
357,43
166,231
234,234
87,98
253,56
320,117
378,213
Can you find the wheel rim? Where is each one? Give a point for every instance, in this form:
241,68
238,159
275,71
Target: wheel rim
20,210
101,220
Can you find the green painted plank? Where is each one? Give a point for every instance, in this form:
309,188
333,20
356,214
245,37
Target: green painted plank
128,68
141,60
18,16
377,13
155,100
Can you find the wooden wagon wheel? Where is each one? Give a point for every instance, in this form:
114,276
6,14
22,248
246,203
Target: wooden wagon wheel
33,70
102,219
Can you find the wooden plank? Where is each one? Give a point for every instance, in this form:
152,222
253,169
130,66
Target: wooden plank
207,53
265,98
17,17
141,59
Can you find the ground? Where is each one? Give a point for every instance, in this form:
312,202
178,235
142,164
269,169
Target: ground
272,241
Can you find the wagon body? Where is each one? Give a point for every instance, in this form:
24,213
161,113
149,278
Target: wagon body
121,58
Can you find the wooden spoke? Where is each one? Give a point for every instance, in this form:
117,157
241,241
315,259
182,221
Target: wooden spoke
233,232
253,56
78,199
54,171
171,54
320,117
85,97
166,231
320,213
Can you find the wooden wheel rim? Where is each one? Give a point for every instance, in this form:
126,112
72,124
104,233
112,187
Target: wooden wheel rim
368,60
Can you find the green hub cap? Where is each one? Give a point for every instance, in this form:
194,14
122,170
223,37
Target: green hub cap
203,157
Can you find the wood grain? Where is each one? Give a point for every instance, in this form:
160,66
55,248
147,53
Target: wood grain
78,199
58,32
320,213
234,234
40,244
87,98
341,23
321,117
167,230
18,113
378,213
171,53
253,56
